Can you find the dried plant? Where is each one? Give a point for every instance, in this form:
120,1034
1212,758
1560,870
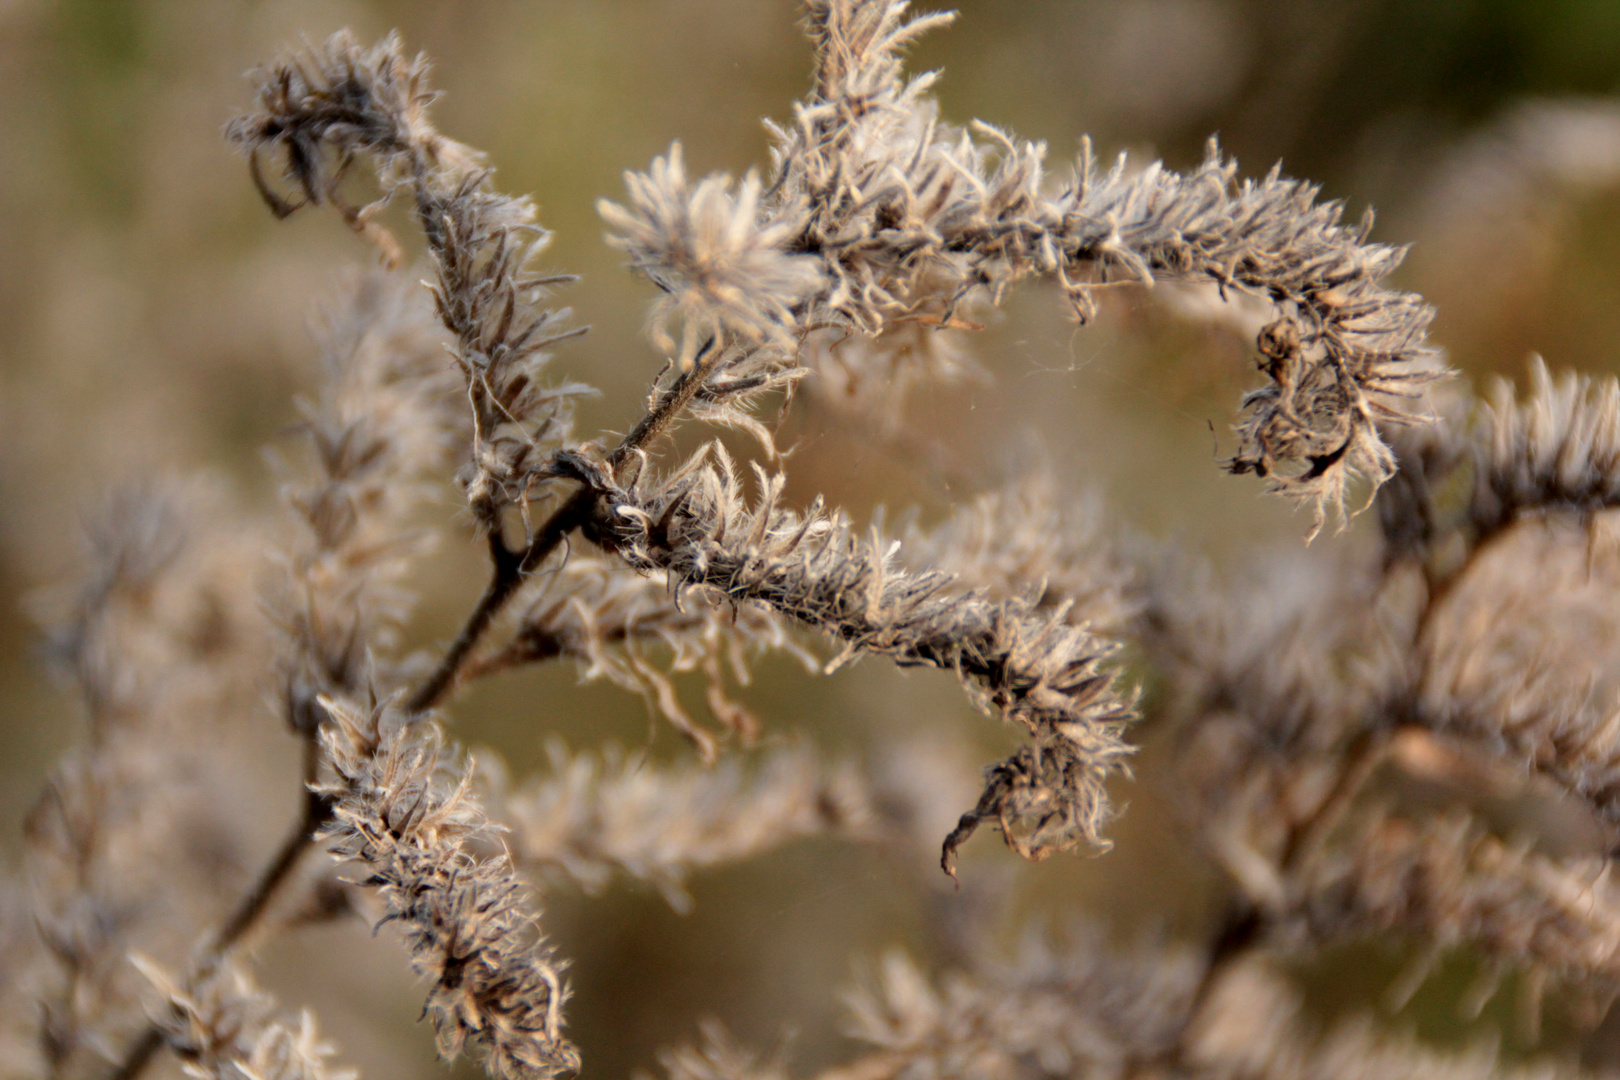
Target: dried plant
413,831
1464,655
225,1030
594,817
879,214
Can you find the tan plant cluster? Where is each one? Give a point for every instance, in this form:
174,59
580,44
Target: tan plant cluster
1315,717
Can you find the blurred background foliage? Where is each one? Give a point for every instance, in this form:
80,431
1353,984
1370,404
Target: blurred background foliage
156,318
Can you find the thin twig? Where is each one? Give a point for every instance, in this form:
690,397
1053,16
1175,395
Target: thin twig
140,1055
1240,934
505,577
317,812
510,569
1361,761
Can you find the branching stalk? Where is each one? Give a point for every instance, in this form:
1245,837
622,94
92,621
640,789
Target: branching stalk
510,569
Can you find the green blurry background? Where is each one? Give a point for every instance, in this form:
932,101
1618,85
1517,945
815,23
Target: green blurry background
155,322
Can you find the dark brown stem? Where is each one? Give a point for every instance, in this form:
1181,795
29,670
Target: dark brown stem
510,568
1361,760
1241,932
140,1055
252,906
505,577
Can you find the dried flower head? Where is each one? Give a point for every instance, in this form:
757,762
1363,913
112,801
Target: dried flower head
377,434
420,837
1559,450
320,110
225,1028
723,270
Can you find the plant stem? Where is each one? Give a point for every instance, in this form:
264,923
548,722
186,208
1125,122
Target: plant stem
509,568
504,580
139,1055
317,812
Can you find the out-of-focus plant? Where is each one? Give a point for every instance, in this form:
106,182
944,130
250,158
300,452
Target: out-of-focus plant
1469,659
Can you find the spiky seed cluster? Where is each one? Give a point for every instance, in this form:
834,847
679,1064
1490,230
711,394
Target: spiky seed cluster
86,903
720,1057
1526,663
325,107
1554,454
910,219
1558,450
1521,662
721,268
867,175
322,109
225,1028
1255,1025
597,816
1278,686
422,838
484,243
1088,1011
1424,671
1029,666
133,548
